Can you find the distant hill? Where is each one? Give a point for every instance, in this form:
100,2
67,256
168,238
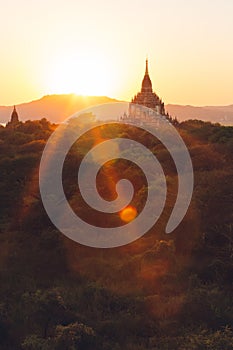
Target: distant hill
214,114
56,108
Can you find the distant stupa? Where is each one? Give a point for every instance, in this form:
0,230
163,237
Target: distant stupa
14,121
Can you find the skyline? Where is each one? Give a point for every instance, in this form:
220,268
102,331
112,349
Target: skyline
91,48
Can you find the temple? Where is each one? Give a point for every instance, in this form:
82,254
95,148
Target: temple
146,97
154,114
14,121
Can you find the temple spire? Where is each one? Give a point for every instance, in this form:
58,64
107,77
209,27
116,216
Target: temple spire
14,118
147,73
146,83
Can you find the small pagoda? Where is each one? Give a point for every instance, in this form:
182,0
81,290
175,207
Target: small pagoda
14,121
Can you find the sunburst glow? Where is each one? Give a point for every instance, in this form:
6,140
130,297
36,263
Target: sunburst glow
87,74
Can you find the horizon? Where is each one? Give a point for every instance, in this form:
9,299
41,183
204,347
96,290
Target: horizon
88,49
101,96
58,107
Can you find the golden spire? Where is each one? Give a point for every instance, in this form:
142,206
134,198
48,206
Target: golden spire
147,73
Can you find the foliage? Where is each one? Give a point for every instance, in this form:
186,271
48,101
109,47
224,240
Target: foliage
160,292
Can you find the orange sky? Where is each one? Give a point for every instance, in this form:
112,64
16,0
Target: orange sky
99,48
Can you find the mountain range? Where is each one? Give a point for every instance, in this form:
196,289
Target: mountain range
57,108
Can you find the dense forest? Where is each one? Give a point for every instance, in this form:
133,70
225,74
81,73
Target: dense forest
162,292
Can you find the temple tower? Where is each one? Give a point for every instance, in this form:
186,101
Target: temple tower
146,97
14,118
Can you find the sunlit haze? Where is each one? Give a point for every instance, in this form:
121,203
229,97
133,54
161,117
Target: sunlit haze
99,48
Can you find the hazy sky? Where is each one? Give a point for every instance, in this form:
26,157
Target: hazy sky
98,47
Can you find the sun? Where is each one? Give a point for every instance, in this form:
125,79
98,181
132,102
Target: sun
81,74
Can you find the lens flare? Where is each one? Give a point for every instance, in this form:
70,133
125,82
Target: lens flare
128,214
106,148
